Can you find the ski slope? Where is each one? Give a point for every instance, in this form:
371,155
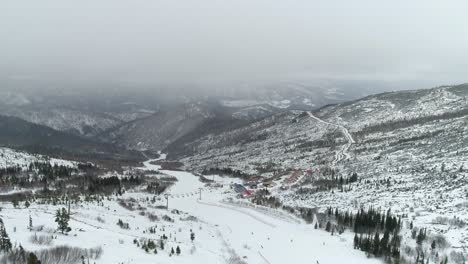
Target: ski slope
225,233
259,237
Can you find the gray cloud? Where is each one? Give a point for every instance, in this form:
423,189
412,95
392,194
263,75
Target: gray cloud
192,41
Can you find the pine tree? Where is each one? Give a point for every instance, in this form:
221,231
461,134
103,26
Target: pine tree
384,247
192,236
178,250
161,245
5,243
62,218
328,227
172,251
32,259
22,253
360,241
376,244
421,236
30,226
356,241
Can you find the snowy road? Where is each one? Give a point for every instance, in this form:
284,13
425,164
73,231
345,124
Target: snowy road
343,153
260,238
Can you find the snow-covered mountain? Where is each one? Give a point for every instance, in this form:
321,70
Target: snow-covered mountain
401,153
408,148
303,94
20,134
416,112
10,157
95,112
69,112
213,112
181,123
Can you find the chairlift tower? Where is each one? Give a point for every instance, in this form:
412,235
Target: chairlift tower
167,201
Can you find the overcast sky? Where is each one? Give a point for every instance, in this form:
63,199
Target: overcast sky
193,41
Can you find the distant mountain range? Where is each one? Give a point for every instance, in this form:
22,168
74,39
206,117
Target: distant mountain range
20,134
424,125
156,118
181,125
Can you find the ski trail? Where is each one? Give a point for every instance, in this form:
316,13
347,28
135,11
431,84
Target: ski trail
239,211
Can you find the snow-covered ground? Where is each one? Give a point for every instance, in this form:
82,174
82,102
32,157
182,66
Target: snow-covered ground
225,233
343,153
408,148
10,157
260,237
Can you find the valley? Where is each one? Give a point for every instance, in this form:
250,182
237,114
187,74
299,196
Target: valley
223,232
233,132
288,186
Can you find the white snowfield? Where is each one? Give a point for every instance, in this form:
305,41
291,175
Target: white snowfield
260,237
225,233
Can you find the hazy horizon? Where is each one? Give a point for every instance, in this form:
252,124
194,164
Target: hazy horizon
218,43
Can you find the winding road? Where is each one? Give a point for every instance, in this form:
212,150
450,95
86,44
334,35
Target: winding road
343,152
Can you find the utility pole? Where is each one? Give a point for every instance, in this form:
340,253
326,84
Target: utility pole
167,201
67,202
69,205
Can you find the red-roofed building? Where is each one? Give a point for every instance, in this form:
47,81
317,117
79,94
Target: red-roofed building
248,193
